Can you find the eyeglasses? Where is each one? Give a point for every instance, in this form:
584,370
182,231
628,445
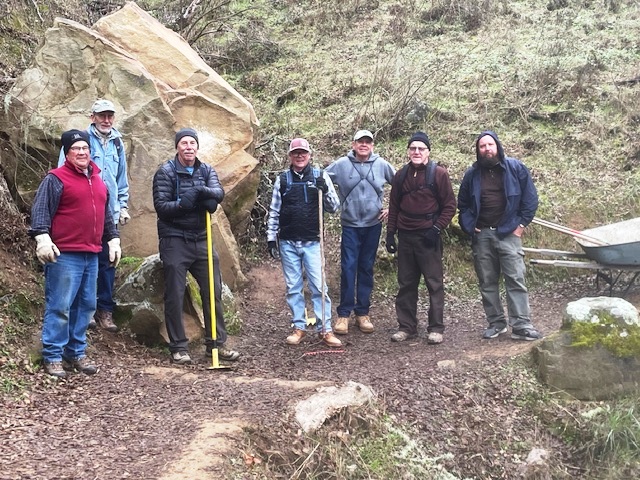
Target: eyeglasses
417,149
80,149
299,153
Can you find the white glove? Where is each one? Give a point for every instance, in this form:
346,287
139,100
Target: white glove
124,216
46,250
115,252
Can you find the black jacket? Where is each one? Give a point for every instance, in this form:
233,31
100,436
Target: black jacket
170,182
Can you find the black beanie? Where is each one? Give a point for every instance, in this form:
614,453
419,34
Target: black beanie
72,136
420,137
187,132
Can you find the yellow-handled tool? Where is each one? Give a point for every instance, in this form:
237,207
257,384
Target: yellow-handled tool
215,361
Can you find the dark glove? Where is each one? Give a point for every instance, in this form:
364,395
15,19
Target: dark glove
391,243
210,205
431,237
321,183
188,199
273,250
204,193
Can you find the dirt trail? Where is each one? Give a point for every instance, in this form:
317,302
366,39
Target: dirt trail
142,418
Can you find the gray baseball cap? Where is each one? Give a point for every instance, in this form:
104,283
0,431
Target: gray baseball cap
103,106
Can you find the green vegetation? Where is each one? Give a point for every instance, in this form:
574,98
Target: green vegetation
620,340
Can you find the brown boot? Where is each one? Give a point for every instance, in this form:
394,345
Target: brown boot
105,320
342,326
296,337
364,322
330,340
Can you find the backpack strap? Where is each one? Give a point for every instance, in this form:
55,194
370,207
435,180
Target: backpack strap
286,180
430,178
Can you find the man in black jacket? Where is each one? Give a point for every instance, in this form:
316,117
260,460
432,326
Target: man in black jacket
185,190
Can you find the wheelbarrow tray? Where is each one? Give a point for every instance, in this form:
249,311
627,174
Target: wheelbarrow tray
623,239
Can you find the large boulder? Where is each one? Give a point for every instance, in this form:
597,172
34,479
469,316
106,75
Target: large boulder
596,355
159,84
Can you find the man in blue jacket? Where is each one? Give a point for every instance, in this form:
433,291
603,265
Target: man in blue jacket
107,152
497,200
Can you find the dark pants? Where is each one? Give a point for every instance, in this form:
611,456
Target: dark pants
358,253
180,256
416,260
106,279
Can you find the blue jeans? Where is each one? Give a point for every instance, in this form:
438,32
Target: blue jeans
300,258
494,256
70,301
106,279
358,253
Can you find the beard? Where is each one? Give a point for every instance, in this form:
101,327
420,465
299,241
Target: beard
488,161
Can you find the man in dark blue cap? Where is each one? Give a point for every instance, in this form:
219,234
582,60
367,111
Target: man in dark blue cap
185,190
421,205
69,216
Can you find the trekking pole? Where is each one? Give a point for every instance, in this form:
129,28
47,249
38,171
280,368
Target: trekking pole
215,360
321,223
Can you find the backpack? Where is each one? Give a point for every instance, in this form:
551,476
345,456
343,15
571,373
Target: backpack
430,176
286,180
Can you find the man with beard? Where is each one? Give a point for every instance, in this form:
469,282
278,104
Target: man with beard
497,200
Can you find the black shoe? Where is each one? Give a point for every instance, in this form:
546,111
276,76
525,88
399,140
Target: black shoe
493,331
528,334
180,358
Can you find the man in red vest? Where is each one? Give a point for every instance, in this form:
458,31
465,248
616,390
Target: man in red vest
68,218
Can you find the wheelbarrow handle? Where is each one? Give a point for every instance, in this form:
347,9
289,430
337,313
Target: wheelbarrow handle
569,231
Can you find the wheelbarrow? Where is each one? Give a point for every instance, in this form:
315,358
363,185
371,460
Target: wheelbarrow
612,250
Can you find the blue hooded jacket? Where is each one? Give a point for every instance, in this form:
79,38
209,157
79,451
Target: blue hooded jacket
520,193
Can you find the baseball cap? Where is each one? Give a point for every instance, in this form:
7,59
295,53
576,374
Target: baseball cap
103,106
299,144
361,134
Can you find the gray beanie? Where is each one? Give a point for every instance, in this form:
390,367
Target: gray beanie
187,132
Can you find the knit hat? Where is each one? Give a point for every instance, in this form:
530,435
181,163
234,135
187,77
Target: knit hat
299,144
420,137
187,132
72,136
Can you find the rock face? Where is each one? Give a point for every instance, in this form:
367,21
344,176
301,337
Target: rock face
141,304
591,372
158,85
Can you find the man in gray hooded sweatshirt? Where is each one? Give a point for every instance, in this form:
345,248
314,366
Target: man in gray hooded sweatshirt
360,177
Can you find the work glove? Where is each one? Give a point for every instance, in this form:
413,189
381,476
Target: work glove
321,183
273,250
46,250
124,216
210,205
391,243
189,198
205,192
115,252
431,237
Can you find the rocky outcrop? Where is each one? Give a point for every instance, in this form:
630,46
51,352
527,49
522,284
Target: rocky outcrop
592,357
159,84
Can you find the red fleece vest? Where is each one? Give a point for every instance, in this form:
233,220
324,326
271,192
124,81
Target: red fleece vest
78,223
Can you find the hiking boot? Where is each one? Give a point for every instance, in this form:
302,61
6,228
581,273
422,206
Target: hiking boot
82,365
528,334
224,353
181,358
493,331
104,319
55,369
92,324
330,340
434,338
364,323
296,337
342,326
401,336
